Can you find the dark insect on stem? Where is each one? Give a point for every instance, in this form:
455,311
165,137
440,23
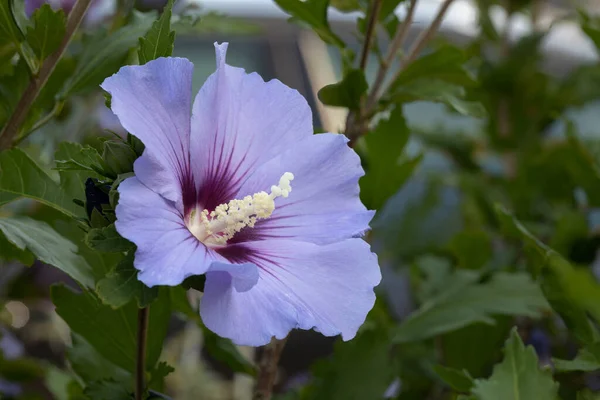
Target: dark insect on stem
96,195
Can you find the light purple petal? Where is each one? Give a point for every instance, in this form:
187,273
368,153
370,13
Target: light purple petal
324,205
301,285
167,252
239,122
153,102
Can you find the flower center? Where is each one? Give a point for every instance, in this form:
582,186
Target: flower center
217,227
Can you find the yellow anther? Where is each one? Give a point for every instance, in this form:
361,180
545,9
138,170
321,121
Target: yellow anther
220,225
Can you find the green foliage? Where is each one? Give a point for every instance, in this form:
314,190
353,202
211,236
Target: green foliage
103,55
159,40
47,31
343,378
314,14
517,377
458,380
21,176
121,285
347,93
386,174
464,301
48,246
107,240
8,26
112,332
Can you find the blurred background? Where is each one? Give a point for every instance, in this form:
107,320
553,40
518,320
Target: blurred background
422,218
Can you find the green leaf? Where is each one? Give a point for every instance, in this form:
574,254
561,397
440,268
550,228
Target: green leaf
445,64
572,292
103,55
464,301
48,246
385,172
437,91
106,389
472,249
475,347
11,252
75,157
219,348
113,332
121,285
107,240
457,380
158,374
21,369
587,360
160,39
90,365
21,176
8,25
118,158
47,32
346,6
313,13
359,369
346,93
518,376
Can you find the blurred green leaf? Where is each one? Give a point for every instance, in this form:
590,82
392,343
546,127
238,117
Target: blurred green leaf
8,25
158,374
11,88
518,376
590,26
313,13
47,32
445,64
359,369
346,93
346,6
386,173
437,91
21,369
90,365
10,252
103,55
159,40
107,240
113,332
48,246
121,285
456,379
587,359
422,217
107,389
572,292
476,347
20,175
472,249
464,301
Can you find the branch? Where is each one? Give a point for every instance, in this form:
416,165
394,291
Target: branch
426,35
37,83
395,46
140,368
268,369
372,24
353,120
